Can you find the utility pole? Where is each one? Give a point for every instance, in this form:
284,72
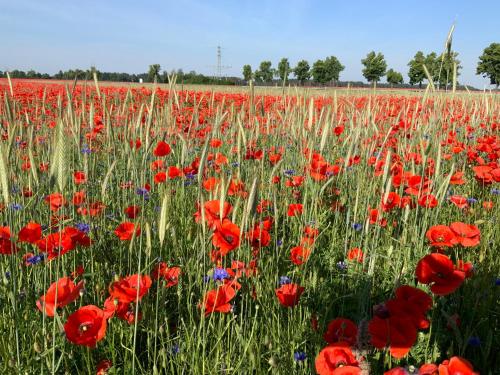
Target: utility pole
219,67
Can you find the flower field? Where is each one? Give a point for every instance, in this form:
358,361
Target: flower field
159,230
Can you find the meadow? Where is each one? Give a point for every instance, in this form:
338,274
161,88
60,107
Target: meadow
190,230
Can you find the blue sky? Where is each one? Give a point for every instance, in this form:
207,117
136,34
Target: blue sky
125,35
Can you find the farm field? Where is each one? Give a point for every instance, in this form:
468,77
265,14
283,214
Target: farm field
187,230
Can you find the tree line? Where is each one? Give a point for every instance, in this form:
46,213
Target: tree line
441,69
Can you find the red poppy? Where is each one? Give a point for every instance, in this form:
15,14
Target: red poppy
132,211
428,369
457,178
437,269
170,274
55,201
441,236
125,230
459,201
398,371
103,367
160,177
214,212
226,237
86,326
130,288
122,310
393,200
289,294
218,300
259,237
427,201
467,235
295,209
30,233
456,366
397,332
299,254
356,254
79,198
61,293
337,359
79,178
162,149
7,247
341,329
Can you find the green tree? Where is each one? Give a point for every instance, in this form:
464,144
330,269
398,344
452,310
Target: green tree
375,66
394,78
319,72
416,72
265,72
154,72
489,64
247,72
333,67
302,71
432,64
283,69
444,66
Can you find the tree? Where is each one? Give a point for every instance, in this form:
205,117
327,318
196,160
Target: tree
319,72
301,71
265,73
333,67
247,72
375,66
394,78
283,69
489,64
416,72
154,72
444,66
432,65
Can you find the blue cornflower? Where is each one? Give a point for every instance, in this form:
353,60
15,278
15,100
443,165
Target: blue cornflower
16,207
189,176
279,242
285,280
357,226
471,200
299,356
188,183
495,191
83,227
235,164
220,274
7,275
342,265
175,349
474,341
14,189
35,259
497,282
86,150
289,172
143,192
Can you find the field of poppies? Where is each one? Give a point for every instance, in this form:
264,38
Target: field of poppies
167,231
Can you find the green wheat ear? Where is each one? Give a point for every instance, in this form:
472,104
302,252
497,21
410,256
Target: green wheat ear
3,175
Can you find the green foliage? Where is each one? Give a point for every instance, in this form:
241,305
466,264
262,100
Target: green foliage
302,71
375,66
154,72
318,72
328,70
265,73
489,63
416,72
247,72
394,78
283,69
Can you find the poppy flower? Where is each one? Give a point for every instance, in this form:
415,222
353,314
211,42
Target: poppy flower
341,329
428,369
457,178
103,367
437,269
217,300
55,244
337,359
226,237
289,294
356,254
132,211
456,366
259,237
30,233
458,201
170,274
397,371
130,288
397,332
79,198
125,230
467,235
55,201
7,247
391,201
122,310
295,209
162,149
160,177
299,255
214,213
86,326
441,236
61,293
427,201
79,178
